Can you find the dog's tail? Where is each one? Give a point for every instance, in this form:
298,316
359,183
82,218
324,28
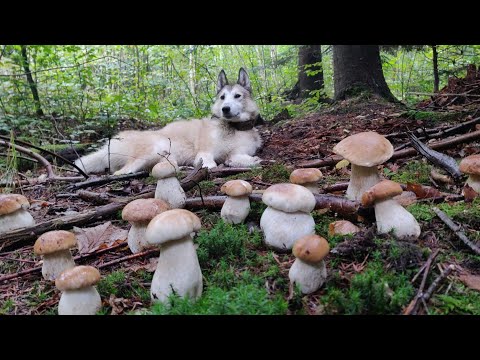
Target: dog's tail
95,162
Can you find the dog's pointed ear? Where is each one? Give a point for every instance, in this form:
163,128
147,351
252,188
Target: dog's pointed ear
222,81
244,80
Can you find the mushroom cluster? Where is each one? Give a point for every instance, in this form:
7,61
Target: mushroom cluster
236,207
287,216
471,166
168,186
13,212
139,213
307,177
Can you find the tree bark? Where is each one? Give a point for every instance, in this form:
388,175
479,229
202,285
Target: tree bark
308,55
31,82
357,68
436,80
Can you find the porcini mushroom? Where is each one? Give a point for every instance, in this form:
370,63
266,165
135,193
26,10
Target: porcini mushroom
178,269
287,216
14,213
54,246
139,213
168,186
79,295
364,151
308,269
307,177
342,227
236,207
389,214
471,166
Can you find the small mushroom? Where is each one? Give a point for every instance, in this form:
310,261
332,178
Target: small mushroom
287,216
364,151
54,246
139,213
168,186
79,295
307,177
236,207
178,269
309,269
471,166
342,227
14,213
389,214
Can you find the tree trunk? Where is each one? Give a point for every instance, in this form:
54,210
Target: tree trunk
436,80
358,68
31,83
307,56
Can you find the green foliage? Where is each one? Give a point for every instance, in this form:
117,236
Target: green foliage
459,301
414,172
111,284
460,210
7,307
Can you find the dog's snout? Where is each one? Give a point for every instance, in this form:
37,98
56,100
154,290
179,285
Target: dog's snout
226,109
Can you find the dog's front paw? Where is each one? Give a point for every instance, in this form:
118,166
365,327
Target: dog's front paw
241,160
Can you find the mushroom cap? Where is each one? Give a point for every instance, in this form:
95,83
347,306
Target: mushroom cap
342,227
163,169
10,203
77,277
171,225
144,209
470,165
307,175
289,198
311,248
236,188
53,241
365,149
383,190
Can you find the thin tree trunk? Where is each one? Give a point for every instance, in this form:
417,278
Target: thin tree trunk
436,80
31,83
308,56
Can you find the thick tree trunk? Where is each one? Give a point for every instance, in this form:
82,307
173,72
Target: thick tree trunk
31,82
307,56
358,68
436,80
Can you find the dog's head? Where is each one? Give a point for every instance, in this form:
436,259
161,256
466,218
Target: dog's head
234,103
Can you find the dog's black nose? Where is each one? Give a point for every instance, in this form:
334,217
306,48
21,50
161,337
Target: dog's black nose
226,109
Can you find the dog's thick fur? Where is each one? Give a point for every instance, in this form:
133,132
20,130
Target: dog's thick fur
214,140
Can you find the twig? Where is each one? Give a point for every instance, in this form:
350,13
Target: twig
109,178
456,229
427,295
130,257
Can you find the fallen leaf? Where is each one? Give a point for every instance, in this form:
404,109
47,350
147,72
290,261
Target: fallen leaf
342,163
151,266
472,281
406,198
469,193
422,191
90,239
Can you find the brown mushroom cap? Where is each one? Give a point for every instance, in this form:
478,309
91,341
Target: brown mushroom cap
53,241
365,149
289,198
171,225
383,190
470,165
77,277
165,169
236,188
307,175
311,248
10,203
342,227
144,209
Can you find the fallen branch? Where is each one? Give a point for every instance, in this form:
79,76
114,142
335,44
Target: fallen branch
436,283
106,179
130,257
456,229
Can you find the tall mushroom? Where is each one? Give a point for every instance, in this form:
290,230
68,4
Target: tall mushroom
389,214
308,269
364,151
54,246
287,216
237,206
13,212
139,213
307,177
178,269
168,186
79,295
471,166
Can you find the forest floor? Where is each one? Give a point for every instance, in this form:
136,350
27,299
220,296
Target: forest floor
367,273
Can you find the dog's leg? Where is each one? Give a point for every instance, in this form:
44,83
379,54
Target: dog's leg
240,160
133,166
207,158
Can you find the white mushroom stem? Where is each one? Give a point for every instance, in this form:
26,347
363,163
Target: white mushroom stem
313,187
85,301
136,237
56,263
281,229
474,182
310,277
16,220
362,178
170,190
391,215
235,209
177,271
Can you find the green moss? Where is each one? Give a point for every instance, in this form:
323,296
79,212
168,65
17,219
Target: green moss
430,115
460,300
413,171
7,307
113,283
273,174
460,211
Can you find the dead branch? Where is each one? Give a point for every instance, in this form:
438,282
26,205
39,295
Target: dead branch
456,229
109,178
435,284
336,187
130,257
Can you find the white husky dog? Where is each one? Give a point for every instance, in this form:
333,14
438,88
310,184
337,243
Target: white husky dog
227,137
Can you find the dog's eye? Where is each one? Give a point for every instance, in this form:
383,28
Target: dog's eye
237,96
222,97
